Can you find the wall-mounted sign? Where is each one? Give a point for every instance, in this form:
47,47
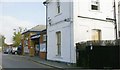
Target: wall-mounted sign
43,47
37,36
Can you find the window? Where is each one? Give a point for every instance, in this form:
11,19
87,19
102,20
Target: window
119,33
58,6
58,43
94,5
96,34
44,37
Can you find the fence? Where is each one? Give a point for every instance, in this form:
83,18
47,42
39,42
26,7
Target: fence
98,54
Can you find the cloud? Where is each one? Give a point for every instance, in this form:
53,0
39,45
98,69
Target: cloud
8,23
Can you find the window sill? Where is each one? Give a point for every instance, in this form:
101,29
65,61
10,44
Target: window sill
58,56
95,11
58,14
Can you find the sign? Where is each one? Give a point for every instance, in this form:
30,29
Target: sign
37,36
43,47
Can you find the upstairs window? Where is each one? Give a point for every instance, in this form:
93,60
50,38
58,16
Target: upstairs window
58,6
119,33
44,37
94,5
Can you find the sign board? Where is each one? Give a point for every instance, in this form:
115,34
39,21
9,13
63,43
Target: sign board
43,47
37,36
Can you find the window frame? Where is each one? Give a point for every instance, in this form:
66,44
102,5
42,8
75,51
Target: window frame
44,37
58,43
119,33
94,31
58,7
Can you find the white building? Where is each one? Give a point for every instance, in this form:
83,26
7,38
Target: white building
71,22
119,19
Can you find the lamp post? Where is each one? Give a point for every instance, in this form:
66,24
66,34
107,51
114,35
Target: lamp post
46,4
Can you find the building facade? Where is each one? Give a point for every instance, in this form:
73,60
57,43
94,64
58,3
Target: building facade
119,19
73,21
26,38
39,43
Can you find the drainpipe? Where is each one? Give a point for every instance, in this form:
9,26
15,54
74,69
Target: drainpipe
46,4
115,19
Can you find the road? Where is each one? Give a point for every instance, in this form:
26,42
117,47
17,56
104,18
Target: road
17,62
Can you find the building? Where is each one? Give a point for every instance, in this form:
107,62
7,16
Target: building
26,38
39,43
76,21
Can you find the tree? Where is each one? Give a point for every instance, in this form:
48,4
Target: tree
17,36
2,42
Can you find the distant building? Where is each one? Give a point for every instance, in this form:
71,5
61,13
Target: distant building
39,42
26,37
71,22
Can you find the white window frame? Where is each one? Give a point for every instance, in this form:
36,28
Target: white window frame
44,37
58,7
58,43
119,33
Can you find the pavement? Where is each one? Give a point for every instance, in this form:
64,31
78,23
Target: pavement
49,63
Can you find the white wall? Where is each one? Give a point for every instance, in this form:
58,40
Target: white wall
83,29
83,26
58,24
105,9
65,43
78,30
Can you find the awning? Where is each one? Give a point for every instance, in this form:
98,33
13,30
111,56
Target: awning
35,37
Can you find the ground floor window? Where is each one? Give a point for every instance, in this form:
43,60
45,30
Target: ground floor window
58,35
119,33
96,34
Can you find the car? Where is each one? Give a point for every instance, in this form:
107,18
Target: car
19,50
6,51
14,50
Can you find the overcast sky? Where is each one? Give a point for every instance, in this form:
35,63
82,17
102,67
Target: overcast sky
20,13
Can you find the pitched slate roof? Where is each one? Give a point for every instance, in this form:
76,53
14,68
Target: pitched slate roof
36,29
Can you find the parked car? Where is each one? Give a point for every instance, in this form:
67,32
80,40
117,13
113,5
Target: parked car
14,50
19,50
6,50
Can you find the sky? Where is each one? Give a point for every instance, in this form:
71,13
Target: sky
20,13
